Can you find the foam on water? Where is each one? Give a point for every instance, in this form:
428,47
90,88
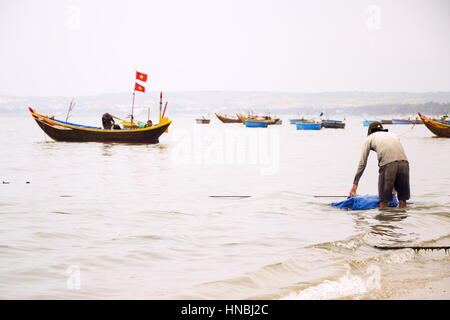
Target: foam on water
347,285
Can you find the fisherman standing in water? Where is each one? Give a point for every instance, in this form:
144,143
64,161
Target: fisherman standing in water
392,161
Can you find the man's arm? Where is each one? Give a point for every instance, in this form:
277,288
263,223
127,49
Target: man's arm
361,166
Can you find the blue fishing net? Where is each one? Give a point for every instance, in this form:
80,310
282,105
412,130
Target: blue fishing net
363,202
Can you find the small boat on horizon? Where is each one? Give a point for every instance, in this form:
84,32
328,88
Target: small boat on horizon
255,124
294,121
227,119
334,124
308,126
397,121
202,120
366,123
269,120
401,121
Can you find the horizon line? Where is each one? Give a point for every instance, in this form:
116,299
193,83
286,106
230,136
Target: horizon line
234,91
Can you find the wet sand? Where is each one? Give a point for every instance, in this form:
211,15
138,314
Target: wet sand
434,290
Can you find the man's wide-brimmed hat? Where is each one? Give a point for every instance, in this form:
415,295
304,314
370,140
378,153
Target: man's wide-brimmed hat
374,127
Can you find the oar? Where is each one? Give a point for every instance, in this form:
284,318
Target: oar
117,118
229,196
330,196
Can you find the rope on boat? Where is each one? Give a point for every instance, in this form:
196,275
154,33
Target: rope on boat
407,131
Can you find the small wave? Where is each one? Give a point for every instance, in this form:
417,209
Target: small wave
348,285
141,237
352,243
60,212
55,235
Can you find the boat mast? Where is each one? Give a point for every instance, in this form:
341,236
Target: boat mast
132,105
160,106
71,105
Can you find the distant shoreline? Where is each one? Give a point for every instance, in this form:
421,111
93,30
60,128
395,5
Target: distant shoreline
340,104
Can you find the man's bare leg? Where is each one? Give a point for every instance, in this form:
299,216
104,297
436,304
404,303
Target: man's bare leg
383,205
402,203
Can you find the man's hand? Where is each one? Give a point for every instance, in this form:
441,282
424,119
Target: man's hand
353,190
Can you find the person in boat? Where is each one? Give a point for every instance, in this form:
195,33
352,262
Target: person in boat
392,161
149,123
108,121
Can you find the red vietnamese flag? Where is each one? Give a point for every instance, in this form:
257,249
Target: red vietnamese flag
138,87
141,76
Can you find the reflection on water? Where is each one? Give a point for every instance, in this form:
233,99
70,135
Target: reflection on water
107,149
388,225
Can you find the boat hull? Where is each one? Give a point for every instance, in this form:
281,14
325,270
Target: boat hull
308,126
202,121
438,128
62,131
256,124
227,120
294,121
268,120
401,121
333,124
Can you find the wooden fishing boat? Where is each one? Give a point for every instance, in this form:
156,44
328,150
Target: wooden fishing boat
226,119
335,124
267,119
386,121
438,128
202,121
70,132
245,118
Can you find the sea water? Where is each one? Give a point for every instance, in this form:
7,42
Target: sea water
117,221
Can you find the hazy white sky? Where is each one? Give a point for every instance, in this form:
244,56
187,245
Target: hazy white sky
74,47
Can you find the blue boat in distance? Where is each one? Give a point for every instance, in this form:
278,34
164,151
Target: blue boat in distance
256,124
294,121
366,123
308,126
